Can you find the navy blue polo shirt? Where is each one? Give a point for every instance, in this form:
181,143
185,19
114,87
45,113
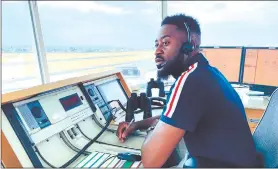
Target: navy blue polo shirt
204,104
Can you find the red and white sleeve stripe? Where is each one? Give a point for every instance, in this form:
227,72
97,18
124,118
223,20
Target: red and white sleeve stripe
176,91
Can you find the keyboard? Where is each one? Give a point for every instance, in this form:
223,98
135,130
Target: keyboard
106,160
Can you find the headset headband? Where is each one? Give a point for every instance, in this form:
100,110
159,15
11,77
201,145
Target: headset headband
188,32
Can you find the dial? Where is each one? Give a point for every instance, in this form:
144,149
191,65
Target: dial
37,112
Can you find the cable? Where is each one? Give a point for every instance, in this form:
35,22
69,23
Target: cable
114,112
71,146
129,157
100,125
110,118
120,104
50,165
99,142
82,150
83,132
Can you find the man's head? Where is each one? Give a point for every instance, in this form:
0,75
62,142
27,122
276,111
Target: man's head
170,60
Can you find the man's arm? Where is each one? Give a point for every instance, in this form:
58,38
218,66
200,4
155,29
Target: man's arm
183,113
165,139
123,130
146,123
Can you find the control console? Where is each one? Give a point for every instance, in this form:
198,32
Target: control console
50,113
64,116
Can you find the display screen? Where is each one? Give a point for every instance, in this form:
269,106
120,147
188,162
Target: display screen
113,91
70,102
260,67
229,62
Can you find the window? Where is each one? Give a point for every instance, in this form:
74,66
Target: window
19,60
92,36
233,23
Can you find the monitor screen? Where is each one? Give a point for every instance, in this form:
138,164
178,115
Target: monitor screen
113,90
261,67
226,60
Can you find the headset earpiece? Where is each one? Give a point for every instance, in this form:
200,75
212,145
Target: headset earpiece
187,47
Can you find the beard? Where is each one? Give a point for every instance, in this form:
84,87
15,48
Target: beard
172,67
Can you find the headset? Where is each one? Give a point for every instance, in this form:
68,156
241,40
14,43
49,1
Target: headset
187,46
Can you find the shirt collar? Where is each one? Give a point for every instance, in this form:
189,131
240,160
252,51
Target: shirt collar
199,57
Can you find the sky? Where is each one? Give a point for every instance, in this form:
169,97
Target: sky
135,24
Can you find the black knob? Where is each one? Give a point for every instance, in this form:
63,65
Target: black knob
37,112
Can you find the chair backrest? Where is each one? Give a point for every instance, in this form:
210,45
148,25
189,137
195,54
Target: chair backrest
266,133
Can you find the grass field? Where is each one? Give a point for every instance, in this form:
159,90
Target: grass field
24,65
20,68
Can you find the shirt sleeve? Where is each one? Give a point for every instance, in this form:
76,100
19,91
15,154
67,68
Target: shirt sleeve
186,102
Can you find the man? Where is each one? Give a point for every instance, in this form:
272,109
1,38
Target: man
203,108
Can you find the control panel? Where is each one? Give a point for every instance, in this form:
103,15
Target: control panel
64,117
50,113
98,100
106,94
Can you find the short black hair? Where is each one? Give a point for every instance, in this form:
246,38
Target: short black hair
180,19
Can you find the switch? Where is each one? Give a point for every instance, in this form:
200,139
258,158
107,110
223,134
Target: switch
74,130
70,134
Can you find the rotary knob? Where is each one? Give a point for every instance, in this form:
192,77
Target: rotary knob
37,112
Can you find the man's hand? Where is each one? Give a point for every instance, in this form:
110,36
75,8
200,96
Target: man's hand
123,130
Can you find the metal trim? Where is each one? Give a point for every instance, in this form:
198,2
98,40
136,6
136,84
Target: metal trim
164,7
41,54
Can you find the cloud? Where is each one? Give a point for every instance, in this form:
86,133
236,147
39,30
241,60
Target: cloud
84,6
148,11
151,8
151,12
221,11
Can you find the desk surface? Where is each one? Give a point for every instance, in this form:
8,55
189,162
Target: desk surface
249,102
252,101
256,102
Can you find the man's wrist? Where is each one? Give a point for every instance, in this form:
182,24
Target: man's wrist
155,122
135,126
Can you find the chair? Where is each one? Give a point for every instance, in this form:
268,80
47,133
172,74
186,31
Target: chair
266,133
